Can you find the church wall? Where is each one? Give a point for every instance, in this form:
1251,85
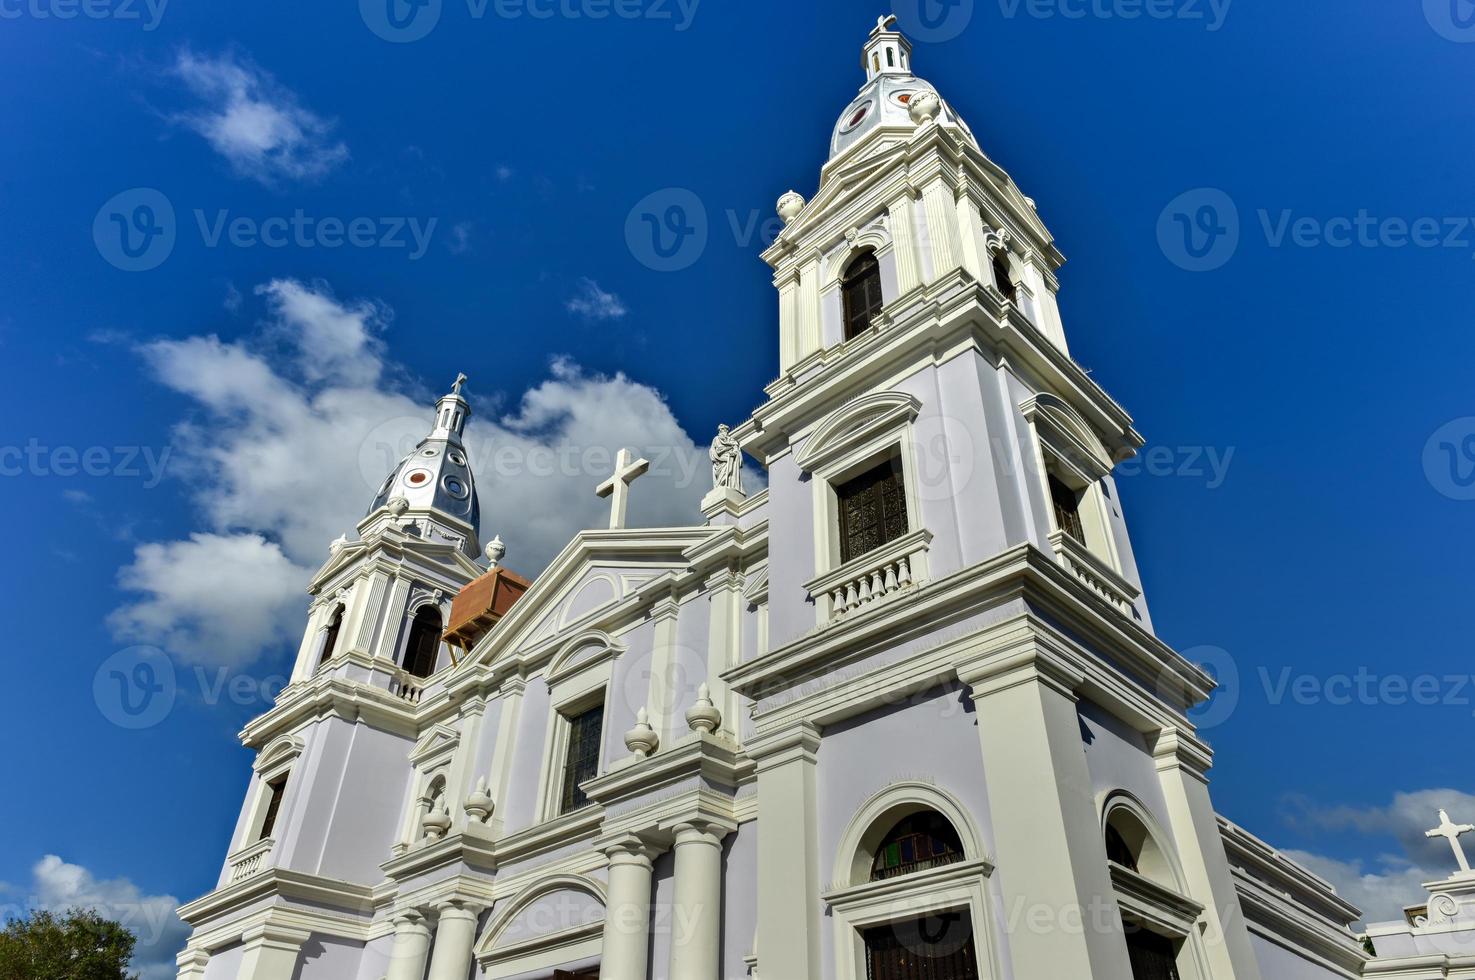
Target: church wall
373,961
937,498
1117,757
932,738
974,482
629,689
365,818
527,757
739,898
224,964
693,641
662,920
791,559
325,956
1279,963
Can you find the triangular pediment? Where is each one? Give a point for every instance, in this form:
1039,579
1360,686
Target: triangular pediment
440,741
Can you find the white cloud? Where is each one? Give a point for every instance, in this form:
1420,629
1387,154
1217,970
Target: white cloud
460,242
258,125
296,428
593,303
1382,885
58,886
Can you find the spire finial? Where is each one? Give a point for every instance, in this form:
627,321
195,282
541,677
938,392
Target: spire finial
887,51
461,379
885,22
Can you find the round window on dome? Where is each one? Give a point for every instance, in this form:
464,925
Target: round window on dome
455,486
904,98
456,458
418,478
857,117
432,451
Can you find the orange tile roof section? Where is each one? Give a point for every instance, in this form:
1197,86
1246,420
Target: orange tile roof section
481,604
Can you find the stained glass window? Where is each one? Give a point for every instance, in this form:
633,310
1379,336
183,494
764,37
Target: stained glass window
921,841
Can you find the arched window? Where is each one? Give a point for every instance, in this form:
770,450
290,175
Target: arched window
1118,851
921,841
330,638
423,647
861,289
1002,278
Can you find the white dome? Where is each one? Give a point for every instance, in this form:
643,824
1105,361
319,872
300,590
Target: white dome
883,104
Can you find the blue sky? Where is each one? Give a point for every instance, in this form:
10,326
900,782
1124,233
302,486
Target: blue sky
182,441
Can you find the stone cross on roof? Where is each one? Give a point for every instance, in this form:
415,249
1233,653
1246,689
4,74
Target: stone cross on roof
1451,832
461,379
618,486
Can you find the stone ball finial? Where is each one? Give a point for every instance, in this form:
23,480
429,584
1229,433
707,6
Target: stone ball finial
790,205
479,804
496,551
924,107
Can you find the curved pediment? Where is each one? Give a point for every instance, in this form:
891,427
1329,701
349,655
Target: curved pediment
563,911
855,422
1068,436
582,650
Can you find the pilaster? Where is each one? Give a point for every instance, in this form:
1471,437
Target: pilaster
365,614
809,308
270,952
1182,766
788,853
504,752
788,318
192,964
904,242
940,208
1051,854
660,702
723,643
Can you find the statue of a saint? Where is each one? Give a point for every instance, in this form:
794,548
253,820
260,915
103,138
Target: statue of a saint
727,462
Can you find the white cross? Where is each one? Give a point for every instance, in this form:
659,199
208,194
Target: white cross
618,486
461,379
1451,832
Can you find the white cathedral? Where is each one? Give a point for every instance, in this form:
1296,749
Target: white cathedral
901,715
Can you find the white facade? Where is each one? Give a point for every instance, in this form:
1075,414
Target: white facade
772,708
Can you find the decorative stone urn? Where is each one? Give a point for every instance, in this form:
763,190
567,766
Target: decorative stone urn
642,739
703,716
924,107
790,205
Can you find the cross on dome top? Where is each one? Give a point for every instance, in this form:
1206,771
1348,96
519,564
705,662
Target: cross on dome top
887,51
461,379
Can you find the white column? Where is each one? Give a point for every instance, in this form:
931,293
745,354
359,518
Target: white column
312,642
970,226
660,702
725,590
904,242
696,936
940,206
454,938
788,318
1182,766
810,331
270,952
788,854
627,913
411,947
1051,851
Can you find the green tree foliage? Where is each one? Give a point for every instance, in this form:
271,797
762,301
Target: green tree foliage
78,945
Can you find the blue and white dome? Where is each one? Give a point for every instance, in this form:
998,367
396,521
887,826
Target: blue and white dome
885,101
435,477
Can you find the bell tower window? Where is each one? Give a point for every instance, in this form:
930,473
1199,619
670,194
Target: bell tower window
873,509
275,790
423,648
1002,279
1067,504
861,289
330,637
